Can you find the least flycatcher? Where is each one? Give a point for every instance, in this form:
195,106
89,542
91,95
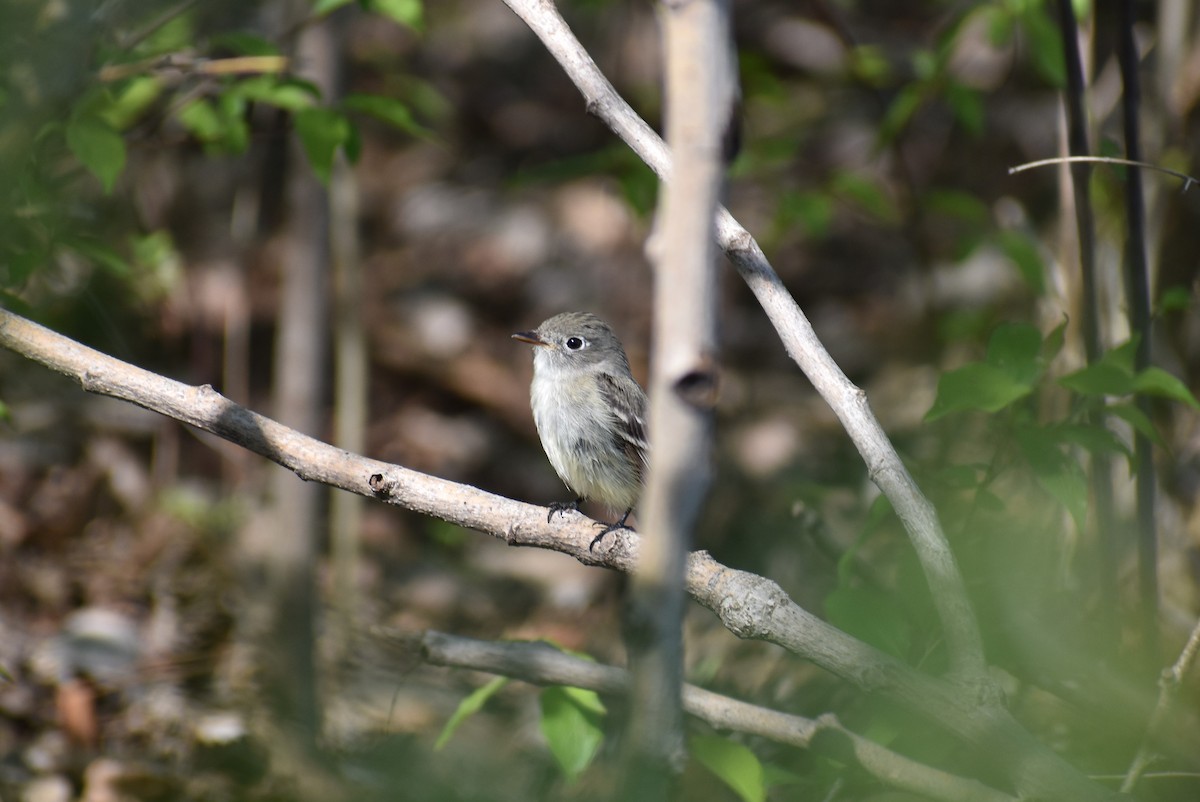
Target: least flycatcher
590,413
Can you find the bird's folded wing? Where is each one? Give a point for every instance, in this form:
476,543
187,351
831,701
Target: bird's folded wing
628,403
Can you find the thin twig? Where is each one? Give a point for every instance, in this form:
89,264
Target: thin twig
1187,179
186,64
1168,689
137,37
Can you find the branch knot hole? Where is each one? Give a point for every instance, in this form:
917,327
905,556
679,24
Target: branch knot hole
699,386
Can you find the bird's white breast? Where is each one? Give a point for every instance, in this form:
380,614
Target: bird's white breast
575,427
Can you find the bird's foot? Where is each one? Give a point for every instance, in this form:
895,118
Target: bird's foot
611,528
563,507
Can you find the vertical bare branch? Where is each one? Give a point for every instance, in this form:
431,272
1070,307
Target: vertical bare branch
1081,175
699,92
1139,320
350,376
290,532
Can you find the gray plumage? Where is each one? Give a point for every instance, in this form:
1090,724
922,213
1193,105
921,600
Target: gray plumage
589,410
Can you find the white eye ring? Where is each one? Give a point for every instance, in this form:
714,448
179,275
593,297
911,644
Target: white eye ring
575,343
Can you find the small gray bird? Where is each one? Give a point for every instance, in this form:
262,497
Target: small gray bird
590,413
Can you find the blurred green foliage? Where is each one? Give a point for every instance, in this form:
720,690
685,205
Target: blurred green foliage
77,84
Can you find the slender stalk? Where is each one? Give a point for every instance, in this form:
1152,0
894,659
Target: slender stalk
1138,276
1187,179
1104,516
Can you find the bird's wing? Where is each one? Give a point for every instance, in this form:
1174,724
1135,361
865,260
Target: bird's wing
627,401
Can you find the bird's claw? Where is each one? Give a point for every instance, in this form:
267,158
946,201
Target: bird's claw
609,528
562,507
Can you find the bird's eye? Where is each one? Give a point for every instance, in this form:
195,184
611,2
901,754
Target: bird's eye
575,343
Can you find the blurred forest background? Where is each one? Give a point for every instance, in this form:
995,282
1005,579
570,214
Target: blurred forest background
345,241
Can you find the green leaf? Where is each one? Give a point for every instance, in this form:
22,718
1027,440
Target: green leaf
1112,148
131,100
236,136
322,131
571,729
101,254
959,205
988,501
1015,348
1000,26
246,44
867,194
1156,381
321,7
352,147
639,188
588,701
812,210
878,514
388,110
957,477
1095,439
98,146
732,763
201,120
778,777
977,386
409,13
1106,377
18,266
1137,419
1054,341
290,94
967,106
1124,355
1056,473
871,616
869,64
901,112
1175,299
221,127
1045,44
177,33
925,65
469,707
1023,252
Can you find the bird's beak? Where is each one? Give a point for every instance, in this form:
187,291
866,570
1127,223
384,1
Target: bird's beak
530,337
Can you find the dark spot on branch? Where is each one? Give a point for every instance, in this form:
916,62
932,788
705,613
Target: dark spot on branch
698,387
